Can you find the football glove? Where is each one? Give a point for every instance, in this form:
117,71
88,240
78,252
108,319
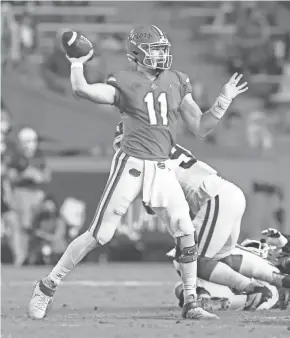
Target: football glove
258,296
274,237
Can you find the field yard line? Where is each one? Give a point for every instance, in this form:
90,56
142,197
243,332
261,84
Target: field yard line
127,283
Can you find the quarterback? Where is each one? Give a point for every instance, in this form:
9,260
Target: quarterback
150,97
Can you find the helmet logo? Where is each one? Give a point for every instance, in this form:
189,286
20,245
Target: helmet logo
138,36
149,46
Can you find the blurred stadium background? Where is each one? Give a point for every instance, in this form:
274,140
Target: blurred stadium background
210,41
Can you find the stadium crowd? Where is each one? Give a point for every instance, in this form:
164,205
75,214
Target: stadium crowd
34,227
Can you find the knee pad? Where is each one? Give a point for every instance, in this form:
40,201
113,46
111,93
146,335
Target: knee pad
120,210
106,232
186,249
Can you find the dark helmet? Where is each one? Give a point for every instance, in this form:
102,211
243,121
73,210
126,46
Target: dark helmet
141,43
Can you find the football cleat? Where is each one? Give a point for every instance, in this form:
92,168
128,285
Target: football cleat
257,294
41,300
192,310
215,303
205,301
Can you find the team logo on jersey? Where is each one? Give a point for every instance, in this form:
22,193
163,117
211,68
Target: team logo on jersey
161,165
153,86
134,172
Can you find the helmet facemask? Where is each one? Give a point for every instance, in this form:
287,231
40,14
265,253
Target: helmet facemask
257,247
154,58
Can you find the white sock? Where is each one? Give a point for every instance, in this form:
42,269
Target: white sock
74,253
189,279
188,268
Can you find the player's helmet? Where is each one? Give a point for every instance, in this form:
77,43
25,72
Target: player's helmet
258,247
149,46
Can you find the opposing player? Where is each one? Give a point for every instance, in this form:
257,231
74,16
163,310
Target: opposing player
218,206
221,297
150,97
226,297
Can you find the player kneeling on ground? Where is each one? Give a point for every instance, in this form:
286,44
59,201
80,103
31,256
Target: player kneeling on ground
275,255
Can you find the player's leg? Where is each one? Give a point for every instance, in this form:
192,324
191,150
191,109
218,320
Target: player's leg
254,266
180,227
220,297
218,222
218,273
121,190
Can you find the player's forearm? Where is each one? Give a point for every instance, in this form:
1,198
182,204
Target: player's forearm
211,117
200,124
98,92
78,81
207,123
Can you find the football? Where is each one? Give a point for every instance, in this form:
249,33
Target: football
76,44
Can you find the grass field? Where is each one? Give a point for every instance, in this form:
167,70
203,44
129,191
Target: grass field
121,300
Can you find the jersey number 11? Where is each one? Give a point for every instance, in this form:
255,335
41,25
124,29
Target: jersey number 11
162,100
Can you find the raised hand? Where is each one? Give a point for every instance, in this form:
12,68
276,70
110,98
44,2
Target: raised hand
232,88
274,237
271,232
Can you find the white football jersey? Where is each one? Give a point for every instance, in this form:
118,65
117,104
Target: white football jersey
188,168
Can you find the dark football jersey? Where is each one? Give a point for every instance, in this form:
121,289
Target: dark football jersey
149,111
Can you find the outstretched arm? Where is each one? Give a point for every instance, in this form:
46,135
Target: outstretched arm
97,92
200,124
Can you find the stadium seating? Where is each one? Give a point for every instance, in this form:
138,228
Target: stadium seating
189,56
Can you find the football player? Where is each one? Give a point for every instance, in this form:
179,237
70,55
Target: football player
218,206
220,294
221,297
150,97
268,262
